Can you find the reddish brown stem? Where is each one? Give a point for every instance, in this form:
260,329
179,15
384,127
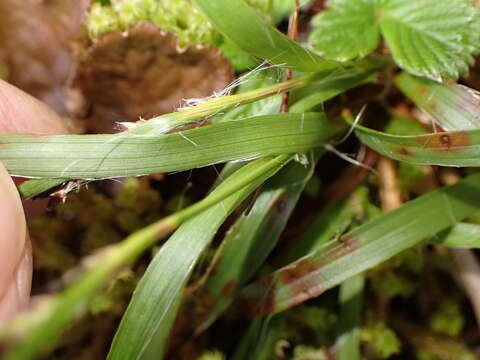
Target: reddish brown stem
292,34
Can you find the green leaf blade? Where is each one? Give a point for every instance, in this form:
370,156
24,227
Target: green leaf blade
103,156
148,320
347,30
462,235
246,29
453,148
453,106
365,247
423,45
67,306
434,38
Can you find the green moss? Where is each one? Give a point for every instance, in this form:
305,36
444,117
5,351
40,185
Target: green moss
391,284
448,318
382,340
314,322
101,19
113,300
302,352
178,16
212,355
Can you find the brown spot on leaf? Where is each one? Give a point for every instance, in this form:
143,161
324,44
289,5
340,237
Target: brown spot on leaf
298,270
446,141
263,301
303,277
402,150
142,73
422,90
281,205
228,289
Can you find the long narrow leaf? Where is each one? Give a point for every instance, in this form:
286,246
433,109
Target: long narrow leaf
72,303
258,342
332,221
365,247
306,98
147,322
453,106
347,344
103,156
246,29
251,239
453,148
462,235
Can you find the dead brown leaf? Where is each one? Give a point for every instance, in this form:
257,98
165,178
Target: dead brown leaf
142,73
35,45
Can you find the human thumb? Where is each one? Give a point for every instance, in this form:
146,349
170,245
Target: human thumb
15,253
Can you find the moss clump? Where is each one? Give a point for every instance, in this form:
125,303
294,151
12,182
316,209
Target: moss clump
382,340
212,355
182,18
448,319
302,352
177,16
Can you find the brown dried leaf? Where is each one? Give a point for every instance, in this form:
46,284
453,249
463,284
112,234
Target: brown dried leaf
142,73
35,45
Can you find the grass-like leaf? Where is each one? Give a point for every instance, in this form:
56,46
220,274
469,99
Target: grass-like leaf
453,106
251,239
347,344
242,25
241,105
453,148
126,154
419,43
462,235
148,320
320,90
364,247
330,223
66,307
258,342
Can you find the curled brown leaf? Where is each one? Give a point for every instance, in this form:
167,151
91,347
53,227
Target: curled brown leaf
143,73
35,45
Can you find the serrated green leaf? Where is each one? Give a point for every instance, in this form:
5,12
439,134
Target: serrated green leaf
347,30
433,38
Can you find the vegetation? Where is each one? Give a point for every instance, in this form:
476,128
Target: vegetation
294,249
